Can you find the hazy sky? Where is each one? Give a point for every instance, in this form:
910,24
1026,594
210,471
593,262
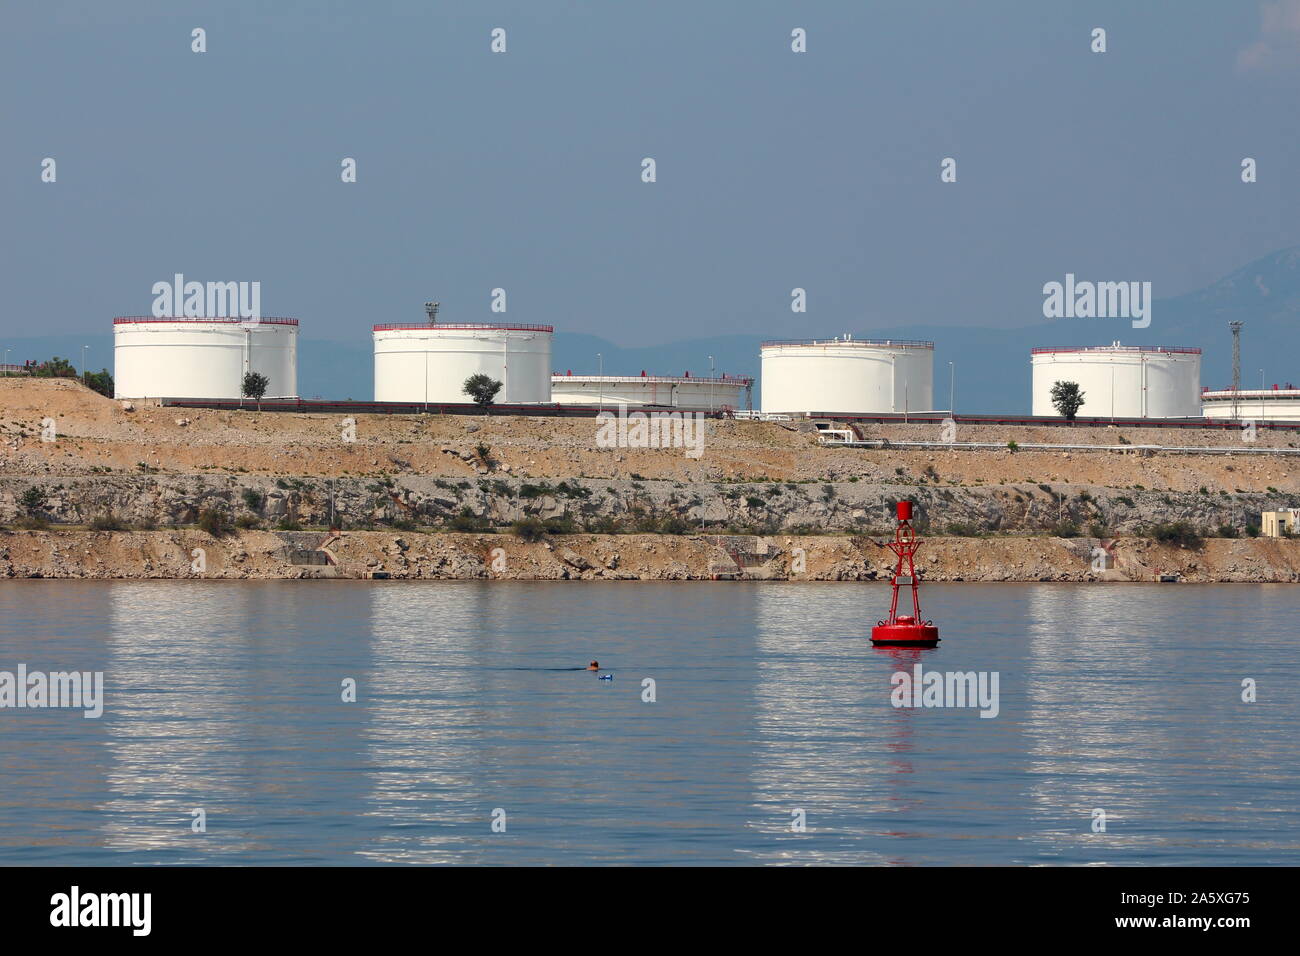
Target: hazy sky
522,170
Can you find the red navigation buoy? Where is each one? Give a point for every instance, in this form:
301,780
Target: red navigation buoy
909,630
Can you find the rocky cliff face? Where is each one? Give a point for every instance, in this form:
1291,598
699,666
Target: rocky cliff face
192,554
609,504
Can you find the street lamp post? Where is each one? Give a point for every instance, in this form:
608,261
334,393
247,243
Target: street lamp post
600,379
1261,394
83,364
952,386
710,384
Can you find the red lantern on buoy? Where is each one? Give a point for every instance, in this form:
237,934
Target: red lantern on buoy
908,630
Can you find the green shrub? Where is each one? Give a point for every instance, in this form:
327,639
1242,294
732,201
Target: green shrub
215,522
32,500
1227,531
642,523
674,524
106,522
466,520
1181,533
528,529
561,525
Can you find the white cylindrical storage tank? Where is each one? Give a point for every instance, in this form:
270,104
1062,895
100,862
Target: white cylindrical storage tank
846,376
1121,381
177,357
658,391
430,363
1279,403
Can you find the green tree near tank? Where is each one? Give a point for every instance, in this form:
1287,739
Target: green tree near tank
255,385
481,389
1067,399
101,382
55,368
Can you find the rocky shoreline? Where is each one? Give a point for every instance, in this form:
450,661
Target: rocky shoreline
95,488
196,555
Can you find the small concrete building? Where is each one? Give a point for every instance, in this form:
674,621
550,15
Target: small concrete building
1279,524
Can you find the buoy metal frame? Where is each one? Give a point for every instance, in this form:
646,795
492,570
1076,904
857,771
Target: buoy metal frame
908,630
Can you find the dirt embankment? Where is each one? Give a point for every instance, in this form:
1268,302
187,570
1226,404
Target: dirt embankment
95,435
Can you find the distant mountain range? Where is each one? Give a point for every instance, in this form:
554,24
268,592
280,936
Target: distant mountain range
992,365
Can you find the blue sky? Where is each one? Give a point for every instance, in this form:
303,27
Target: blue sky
522,170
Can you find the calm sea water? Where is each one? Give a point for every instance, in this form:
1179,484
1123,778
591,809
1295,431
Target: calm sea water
226,696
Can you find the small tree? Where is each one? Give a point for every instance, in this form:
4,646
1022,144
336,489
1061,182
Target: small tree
255,384
482,389
32,501
1067,399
